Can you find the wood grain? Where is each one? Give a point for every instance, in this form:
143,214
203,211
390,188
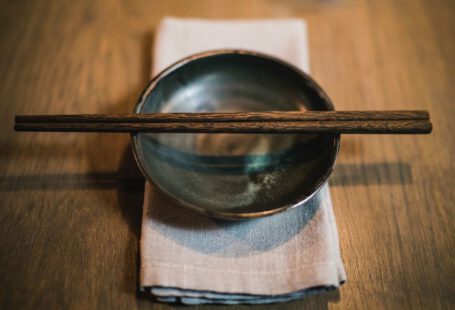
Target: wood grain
276,127
281,116
71,206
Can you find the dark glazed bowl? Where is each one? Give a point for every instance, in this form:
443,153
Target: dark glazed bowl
235,175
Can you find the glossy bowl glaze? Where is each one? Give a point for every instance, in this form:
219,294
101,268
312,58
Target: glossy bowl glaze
235,175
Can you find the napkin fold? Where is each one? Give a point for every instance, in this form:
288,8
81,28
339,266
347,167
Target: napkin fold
193,259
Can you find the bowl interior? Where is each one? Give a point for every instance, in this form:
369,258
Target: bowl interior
235,175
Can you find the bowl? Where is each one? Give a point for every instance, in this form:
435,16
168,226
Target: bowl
235,176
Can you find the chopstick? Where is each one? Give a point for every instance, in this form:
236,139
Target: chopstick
227,117
332,122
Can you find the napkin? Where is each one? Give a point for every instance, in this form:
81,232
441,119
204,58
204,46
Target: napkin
192,259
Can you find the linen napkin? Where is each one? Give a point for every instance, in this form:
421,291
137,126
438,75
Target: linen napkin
193,259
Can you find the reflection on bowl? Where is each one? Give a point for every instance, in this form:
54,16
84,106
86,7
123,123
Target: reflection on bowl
235,175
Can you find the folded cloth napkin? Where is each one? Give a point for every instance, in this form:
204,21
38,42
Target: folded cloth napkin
192,259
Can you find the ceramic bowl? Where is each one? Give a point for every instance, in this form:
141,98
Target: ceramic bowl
235,176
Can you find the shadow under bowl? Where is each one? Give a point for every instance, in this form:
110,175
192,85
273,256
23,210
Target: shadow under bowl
235,175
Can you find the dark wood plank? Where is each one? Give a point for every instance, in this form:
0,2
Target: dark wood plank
71,205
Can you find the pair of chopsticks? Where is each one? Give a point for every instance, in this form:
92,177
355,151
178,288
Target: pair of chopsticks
333,122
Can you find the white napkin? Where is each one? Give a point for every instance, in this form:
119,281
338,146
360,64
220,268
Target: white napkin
192,259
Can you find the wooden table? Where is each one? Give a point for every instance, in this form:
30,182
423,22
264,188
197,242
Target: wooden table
71,203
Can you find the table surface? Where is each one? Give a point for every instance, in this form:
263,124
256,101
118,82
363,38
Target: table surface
71,203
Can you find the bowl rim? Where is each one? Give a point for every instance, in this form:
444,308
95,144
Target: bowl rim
226,214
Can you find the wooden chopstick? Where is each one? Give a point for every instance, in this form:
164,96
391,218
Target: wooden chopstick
274,116
358,122
419,125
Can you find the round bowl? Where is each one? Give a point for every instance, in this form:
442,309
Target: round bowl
235,176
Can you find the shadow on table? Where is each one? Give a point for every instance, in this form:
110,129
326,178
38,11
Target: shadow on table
126,180
371,173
